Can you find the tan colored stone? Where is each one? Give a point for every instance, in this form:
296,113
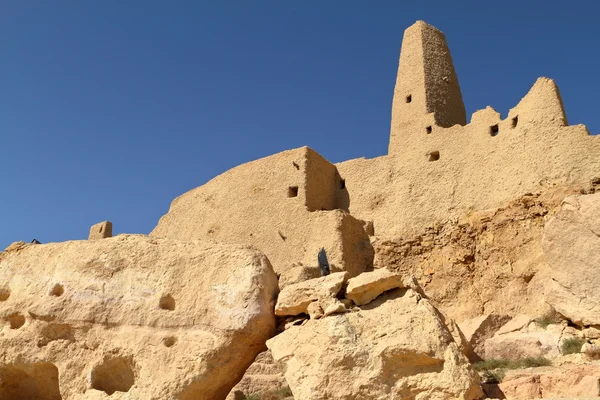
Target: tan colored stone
572,249
367,286
573,381
142,317
101,230
514,324
477,330
297,274
395,347
591,333
314,310
294,299
460,339
263,377
519,345
332,306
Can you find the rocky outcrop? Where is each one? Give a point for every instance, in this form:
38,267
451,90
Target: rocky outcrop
478,330
132,317
488,262
397,346
572,249
573,381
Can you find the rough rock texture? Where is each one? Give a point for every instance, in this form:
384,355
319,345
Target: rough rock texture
580,381
483,263
295,299
264,377
395,347
530,341
572,249
288,205
477,330
133,317
366,287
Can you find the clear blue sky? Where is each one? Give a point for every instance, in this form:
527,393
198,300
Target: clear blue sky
110,109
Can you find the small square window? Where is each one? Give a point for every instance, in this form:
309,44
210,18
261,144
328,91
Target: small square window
429,129
515,121
494,130
293,191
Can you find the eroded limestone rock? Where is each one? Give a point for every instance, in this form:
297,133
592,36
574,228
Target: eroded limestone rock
367,286
133,317
294,299
395,347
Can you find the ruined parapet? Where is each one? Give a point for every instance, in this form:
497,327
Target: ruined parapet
101,230
542,107
427,91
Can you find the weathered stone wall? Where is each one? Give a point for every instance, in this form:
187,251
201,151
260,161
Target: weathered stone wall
482,165
251,204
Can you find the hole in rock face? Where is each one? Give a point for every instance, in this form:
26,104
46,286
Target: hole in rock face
57,290
494,130
15,320
409,98
515,121
293,191
169,341
37,381
342,184
433,156
113,375
429,129
167,302
4,294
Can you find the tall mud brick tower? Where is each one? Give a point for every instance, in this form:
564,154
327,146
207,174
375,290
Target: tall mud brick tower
427,92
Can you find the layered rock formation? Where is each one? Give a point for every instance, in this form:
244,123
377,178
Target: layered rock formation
131,317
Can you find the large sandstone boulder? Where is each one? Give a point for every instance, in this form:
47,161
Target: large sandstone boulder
396,347
132,317
572,248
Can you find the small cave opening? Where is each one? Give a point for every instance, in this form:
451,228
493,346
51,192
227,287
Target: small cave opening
114,374
15,320
429,129
57,290
409,98
167,302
